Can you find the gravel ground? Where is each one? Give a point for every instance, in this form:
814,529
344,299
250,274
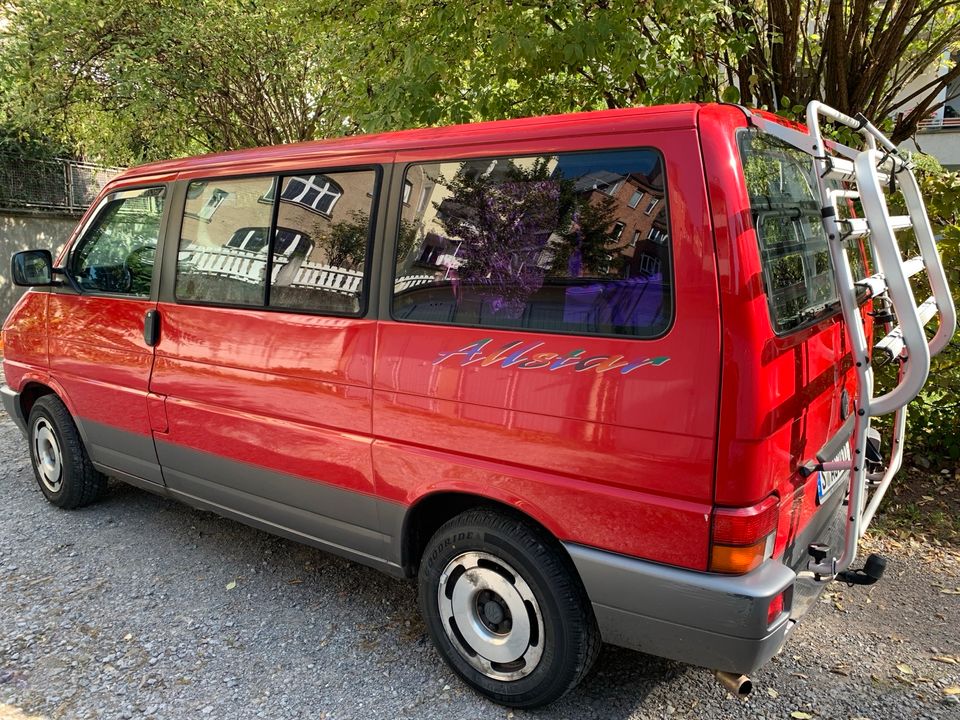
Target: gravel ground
140,607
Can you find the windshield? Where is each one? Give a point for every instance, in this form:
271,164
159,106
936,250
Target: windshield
797,270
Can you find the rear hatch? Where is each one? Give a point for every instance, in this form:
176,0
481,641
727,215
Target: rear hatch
789,382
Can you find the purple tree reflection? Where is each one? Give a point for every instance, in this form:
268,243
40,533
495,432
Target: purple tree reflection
503,229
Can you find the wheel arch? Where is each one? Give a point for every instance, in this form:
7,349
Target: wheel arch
425,516
32,388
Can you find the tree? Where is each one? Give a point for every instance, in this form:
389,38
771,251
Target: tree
130,81
422,62
345,245
516,229
857,55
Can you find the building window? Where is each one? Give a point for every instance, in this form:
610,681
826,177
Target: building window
635,238
656,235
253,239
636,198
617,231
213,202
612,189
407,189
317,192
651,205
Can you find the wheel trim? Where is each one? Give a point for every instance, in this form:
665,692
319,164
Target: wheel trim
48,458
512,650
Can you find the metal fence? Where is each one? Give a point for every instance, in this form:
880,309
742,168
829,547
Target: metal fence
57,185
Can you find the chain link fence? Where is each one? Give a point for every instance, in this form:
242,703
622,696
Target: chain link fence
57,185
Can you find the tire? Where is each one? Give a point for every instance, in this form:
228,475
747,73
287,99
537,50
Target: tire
63,470
504,606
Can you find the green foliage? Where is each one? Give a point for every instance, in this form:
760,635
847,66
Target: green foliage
345,245
127,81
934,419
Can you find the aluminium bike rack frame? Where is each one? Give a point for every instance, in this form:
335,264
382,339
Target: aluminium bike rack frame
868,169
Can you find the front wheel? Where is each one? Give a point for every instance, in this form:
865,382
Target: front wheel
505,608
63,470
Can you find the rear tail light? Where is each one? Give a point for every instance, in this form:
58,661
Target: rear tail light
742,538
775,608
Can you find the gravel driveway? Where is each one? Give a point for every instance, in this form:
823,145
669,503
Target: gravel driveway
141,607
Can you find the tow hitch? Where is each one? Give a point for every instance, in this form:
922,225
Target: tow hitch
871,571
823,567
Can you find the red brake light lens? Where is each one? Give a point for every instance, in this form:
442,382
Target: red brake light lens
745,526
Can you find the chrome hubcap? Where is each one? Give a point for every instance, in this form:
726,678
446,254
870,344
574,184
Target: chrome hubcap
48,458
491,616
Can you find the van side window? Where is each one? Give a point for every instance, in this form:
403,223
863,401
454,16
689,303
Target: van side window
320,246
223,241
117,253
557,243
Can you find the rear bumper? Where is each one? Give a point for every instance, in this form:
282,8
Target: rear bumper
717,621
11,403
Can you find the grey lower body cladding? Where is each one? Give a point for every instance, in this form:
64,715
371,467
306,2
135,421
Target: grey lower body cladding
716,621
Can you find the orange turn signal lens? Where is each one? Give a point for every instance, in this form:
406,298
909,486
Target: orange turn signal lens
738,559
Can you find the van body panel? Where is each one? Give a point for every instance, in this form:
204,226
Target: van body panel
666,529
782,396
98,355
25,338
283,391
324,513
627,427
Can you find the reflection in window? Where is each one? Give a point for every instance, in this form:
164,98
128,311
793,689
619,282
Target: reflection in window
317,192
319,259
213,202
537,243
222,256
117,253
797,271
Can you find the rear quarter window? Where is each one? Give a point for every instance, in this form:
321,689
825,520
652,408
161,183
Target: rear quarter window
797,268
567,243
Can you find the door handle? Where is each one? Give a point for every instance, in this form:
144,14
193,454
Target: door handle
151,327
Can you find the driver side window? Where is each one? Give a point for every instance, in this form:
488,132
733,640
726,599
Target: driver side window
117,253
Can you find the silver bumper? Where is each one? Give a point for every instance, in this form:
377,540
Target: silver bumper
11,403
717,621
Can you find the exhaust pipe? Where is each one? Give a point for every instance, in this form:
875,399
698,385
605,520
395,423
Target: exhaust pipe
739,685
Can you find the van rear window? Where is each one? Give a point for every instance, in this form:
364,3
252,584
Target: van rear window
797,269
568,243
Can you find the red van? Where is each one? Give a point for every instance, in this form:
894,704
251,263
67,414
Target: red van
594,377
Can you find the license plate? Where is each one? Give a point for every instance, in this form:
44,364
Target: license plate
826,481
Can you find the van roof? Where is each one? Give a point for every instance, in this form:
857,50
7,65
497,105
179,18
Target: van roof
659,117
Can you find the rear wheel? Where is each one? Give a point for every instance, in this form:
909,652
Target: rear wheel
505,608
63,470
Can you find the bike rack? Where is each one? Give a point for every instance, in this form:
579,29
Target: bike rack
862,174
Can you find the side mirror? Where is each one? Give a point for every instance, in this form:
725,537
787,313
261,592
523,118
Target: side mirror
32,268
